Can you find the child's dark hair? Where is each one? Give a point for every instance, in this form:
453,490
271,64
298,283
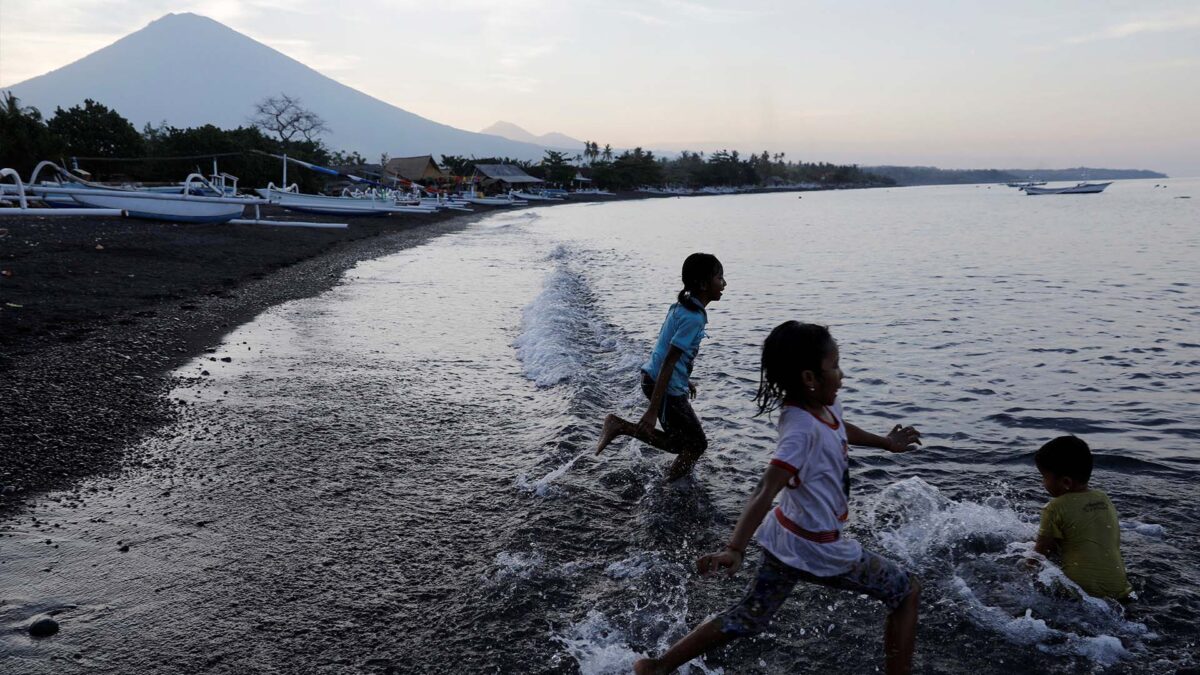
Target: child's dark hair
698,270
1066,456
789,350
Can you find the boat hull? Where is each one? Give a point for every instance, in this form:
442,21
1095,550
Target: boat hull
332,206
1081,189
182,211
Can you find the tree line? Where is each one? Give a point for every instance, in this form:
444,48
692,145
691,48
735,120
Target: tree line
109,147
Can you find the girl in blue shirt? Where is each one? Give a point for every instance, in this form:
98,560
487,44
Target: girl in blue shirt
666,376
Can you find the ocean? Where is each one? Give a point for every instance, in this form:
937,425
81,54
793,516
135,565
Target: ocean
397,475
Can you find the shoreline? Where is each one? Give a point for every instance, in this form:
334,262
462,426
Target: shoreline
95,315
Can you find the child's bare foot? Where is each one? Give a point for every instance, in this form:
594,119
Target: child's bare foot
645,667
612,429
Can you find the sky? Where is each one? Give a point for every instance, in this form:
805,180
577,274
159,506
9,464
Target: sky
1011,84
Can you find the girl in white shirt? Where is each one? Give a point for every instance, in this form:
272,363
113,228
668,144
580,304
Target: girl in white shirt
802,538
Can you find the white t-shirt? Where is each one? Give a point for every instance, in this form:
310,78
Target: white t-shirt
805,529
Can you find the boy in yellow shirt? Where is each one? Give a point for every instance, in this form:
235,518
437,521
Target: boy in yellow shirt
1080,524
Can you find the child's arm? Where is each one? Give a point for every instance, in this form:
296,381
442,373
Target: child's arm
752,515
646,424
1045,544
899,439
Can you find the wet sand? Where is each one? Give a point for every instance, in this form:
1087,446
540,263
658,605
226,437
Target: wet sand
96,313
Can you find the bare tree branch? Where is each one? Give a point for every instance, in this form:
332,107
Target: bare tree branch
284,116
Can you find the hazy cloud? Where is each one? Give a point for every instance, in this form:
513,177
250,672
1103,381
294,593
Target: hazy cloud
643,17
1126,29
707,12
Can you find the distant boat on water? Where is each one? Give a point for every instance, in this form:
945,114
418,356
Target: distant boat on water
1025,184
1078,189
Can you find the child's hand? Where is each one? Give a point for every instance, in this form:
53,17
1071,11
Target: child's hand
902,439
728,559
692,391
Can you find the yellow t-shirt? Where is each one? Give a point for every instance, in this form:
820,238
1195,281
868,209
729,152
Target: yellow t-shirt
1089,539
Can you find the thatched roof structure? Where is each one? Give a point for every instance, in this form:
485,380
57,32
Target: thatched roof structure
504,173
417,169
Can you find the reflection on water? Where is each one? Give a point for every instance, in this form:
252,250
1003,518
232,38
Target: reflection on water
396,476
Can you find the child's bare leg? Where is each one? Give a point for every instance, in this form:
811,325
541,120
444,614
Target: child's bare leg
900,634
615,427
687,458
681,467
704,637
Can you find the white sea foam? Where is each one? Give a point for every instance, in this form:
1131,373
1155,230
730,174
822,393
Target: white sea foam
545,347
563,339
598,647
1033,631
544,486
1144,529
916,522
633,567
653,612
512,566
987,544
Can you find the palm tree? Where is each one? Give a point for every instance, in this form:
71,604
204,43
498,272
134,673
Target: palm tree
608,153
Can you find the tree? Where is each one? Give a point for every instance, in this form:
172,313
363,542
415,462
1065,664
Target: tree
608,153
556,169
284,116
95,131
24,138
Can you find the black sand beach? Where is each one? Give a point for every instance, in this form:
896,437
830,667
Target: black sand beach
95,314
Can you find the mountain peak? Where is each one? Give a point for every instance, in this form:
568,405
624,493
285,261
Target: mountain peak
516,133
510,131
140,77
186,23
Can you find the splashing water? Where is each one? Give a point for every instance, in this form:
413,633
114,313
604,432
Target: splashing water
914,521
979,553
544,486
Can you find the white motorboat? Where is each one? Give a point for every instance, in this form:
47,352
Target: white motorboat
1078,189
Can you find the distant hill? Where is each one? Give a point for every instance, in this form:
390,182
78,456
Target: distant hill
551,140
1084,173
189,70
929,175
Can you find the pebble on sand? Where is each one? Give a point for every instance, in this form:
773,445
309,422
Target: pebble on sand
43,628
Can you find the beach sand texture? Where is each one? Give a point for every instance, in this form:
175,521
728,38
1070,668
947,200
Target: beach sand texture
94,313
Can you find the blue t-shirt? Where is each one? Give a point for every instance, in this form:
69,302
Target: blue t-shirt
683,328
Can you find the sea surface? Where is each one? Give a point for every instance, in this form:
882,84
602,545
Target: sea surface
397,475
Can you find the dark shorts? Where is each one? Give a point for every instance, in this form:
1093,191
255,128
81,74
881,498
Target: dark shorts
679,421
877,577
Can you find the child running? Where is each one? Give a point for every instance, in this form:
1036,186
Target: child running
1080,523
802,539
666,376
